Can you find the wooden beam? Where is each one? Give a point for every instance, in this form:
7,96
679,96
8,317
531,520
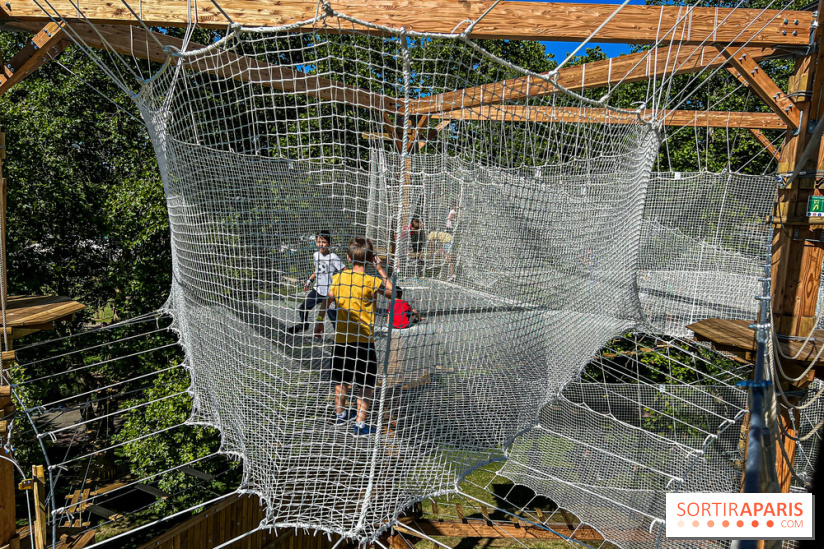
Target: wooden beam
509,20
45,45
767,143
581,115
763,86
480,529
635,67
797,254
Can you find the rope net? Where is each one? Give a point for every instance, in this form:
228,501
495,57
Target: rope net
703,241
519,266
527,230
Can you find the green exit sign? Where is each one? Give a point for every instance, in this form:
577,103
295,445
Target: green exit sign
815,206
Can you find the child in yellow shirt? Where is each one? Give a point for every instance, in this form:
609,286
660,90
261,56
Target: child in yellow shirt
354,360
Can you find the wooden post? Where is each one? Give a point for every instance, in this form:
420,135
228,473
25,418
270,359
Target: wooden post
40,520
797,251
8,517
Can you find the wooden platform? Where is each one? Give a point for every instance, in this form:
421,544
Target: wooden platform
27,314
736,337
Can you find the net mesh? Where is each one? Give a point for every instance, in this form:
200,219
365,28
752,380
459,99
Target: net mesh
520,267
703,241
528,231
633,428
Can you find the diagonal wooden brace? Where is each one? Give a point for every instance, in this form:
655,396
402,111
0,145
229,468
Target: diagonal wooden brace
44,46
763,86
767,143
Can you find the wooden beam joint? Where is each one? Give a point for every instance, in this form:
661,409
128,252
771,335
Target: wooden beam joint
763,86
45,45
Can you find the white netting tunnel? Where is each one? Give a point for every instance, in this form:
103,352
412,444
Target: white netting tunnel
544,235
537,272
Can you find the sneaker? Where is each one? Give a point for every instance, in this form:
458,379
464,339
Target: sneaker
362,429
344,418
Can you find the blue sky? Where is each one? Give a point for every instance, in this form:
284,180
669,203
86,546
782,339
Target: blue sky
560,49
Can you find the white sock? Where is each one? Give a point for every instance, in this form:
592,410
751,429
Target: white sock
360,424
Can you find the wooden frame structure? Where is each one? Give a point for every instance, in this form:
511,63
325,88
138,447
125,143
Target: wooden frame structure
748,36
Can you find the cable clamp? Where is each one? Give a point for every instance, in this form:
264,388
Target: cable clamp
759,326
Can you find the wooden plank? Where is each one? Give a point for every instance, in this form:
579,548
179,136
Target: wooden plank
45,45
478,529
80,542
509,20
763,86
103,512
181,529
192,472
73,498
736,334
485,513
37,311
211,531
85,497
726,332
592,115
111,487
151,490
635,67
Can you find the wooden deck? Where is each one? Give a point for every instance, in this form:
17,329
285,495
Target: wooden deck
736,337
26,314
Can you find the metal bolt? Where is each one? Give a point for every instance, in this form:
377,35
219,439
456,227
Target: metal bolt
786,21
784,32
795,33
36,47
795,21
8,5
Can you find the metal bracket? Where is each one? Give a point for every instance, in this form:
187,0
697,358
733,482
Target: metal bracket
811,124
